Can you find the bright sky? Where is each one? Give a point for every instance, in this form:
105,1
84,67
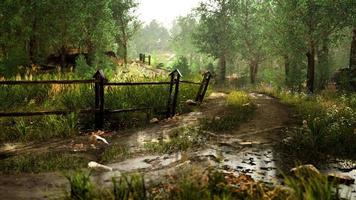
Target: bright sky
164,11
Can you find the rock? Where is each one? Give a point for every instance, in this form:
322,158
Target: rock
95,165
190,102
154,120
305,171
340,178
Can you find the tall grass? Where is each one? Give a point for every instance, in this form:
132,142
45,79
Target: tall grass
194,184
76,97
327,124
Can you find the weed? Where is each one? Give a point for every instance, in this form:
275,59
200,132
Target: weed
21,127
50,161
308,185
180,140
114,153
129,188
81,188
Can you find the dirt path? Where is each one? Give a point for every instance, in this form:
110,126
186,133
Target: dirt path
246,149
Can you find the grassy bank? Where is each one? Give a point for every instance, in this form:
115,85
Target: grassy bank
327,124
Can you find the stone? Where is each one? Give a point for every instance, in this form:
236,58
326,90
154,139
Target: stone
190,102
154,120
98,166
340,178
305,171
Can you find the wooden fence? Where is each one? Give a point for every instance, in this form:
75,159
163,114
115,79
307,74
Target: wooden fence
100,82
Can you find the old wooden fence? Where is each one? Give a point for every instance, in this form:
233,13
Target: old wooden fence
100,82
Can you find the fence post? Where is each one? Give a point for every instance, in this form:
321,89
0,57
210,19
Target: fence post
203,87
99,98
172,99
149,59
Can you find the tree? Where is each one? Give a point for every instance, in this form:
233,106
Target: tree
127,24
251,34
215,35
151,38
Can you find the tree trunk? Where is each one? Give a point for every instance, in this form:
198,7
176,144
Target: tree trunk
287,70
323,64
353,50
125,53
311,67
222,68
253,71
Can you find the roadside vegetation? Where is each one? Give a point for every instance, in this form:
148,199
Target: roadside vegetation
327,124
196,184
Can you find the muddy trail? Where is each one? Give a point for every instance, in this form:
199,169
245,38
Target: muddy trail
249,148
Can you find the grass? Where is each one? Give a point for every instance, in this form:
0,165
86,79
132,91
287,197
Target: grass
239,109
34,162
327,125
192,184
39,128
114,153
180,140
74,97
309,185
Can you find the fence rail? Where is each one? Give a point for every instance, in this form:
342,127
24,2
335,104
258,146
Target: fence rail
48,82
100,82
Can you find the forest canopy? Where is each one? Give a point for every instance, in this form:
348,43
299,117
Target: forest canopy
291,43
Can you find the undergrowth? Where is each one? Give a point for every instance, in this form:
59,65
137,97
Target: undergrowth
41,162
192,184
327,124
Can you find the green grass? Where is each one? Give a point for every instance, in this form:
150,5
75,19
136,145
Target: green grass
194,184
80,186
39,128
239,109
180,140
114,153
310,186
75,97
327,125
42,162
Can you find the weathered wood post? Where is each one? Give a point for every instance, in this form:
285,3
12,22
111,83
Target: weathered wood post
149,59
203,87
140,57
99,98
173,98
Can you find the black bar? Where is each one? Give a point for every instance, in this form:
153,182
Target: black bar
47,82
142,83
175,97
190,82
66,112
169,110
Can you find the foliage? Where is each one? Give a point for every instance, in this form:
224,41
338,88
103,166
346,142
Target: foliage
328,121
182,65
309,185
127,188
80,186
